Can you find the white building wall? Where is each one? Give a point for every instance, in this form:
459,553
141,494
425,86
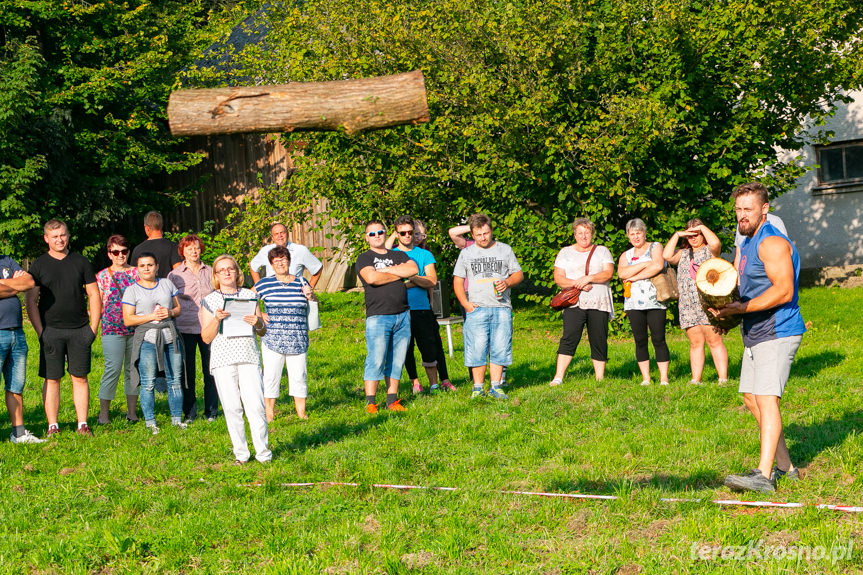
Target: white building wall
826,228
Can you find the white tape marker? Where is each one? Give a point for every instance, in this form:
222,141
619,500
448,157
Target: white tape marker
725,502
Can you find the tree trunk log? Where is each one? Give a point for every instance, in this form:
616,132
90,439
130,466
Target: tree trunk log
351,105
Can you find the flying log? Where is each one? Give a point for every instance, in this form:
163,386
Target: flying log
716,282
349,105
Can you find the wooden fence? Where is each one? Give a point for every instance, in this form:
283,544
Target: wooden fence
240,165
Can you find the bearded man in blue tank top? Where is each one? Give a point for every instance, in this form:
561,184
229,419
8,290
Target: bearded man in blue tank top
772,329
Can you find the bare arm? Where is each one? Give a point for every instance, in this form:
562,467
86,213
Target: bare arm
650,269
775,252
391,241
388,275
458,288
429,280
626,271
210,324
256,277
713,242
456,234
30,299
132,320
175,310
94,305
670,252
313,281
20,281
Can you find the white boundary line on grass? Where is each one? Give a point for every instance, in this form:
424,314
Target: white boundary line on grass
727,502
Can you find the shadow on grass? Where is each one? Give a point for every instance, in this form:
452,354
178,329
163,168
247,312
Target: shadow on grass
329,433
808,366
661,481
811,439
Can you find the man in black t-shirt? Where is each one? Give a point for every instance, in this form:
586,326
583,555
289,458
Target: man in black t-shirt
64,308
388,323
165,250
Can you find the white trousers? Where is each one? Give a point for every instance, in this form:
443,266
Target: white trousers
241,389
274,362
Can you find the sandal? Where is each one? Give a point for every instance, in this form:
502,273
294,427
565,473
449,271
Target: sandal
555,382
645,382
694,382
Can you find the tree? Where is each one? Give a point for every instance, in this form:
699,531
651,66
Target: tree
83,95
546,111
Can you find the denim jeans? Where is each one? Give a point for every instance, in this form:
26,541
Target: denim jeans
387,339
147,369
488,334
13,359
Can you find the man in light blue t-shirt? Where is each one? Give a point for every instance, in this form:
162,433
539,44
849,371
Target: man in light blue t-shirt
424,327
492,269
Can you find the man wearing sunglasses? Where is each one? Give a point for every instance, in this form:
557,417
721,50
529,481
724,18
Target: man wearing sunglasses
492,269
388,326
425,331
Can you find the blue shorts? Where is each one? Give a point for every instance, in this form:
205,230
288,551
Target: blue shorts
488,334
387,339
13,359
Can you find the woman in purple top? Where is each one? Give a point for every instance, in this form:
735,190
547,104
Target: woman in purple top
116,337
194,281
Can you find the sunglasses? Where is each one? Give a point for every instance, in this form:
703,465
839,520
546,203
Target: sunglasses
117,253
406,233
377,233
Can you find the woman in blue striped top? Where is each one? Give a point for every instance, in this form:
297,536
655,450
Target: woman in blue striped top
285,298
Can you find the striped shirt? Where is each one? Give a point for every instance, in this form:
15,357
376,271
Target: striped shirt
286,306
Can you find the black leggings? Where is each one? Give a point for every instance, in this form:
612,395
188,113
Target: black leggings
641,320
425,333
574,319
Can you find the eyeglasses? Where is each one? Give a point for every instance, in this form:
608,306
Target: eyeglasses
225,271
406,233
117,253
377,233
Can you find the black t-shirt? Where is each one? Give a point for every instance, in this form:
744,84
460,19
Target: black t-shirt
386,299
165,251
62,297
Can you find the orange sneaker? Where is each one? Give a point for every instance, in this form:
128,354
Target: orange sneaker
396,406
371,408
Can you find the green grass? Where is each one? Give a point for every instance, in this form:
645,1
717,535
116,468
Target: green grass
128,502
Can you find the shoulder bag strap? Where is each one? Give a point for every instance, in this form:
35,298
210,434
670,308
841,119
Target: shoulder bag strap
587,264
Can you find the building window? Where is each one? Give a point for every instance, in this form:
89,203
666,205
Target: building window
840,167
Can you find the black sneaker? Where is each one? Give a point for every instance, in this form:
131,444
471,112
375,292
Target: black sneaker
752,481
779,475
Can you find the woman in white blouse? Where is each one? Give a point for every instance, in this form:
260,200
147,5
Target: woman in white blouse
594,308
235,361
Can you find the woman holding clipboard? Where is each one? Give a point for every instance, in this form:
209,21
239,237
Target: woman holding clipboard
230,319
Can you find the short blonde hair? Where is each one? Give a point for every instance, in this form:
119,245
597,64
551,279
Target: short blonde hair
585,223
240,279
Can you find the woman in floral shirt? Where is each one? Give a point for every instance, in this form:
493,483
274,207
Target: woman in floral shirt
116,337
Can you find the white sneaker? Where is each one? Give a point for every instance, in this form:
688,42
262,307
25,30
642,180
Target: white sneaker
180,425
153,429
26,438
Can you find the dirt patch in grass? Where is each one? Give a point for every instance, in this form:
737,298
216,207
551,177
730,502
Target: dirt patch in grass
418,560
371,525
629,570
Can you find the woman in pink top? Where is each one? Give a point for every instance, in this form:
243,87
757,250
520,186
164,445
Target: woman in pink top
116,337
193,279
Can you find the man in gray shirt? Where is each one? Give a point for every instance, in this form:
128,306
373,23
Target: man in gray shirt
492,269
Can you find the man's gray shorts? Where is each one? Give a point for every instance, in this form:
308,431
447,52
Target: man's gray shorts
765,366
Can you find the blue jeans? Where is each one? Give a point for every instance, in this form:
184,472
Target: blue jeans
147,369
13,359
488,334
387,339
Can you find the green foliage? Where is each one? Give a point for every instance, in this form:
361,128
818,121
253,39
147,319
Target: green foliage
82,111
543,112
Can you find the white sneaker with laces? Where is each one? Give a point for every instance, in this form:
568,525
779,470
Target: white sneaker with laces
26,438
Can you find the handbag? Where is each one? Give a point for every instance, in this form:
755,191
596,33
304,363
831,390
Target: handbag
569,297
313,312
665,283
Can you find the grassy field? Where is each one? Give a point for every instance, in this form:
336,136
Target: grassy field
128,502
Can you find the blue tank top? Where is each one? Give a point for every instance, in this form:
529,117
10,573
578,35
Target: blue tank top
768,324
